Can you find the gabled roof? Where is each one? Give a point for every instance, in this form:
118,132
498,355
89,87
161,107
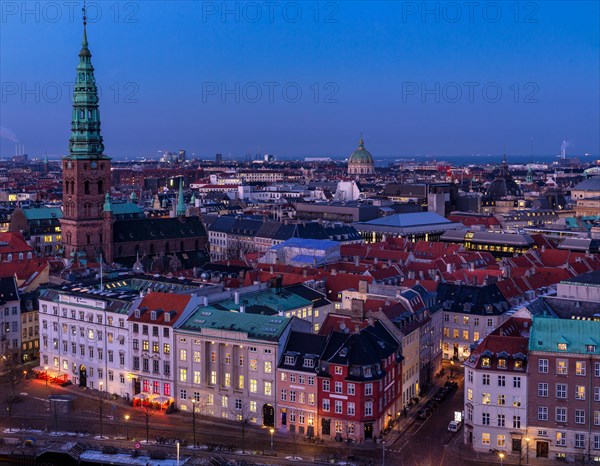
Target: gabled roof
302,345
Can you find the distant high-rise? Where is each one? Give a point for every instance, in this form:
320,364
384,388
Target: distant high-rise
219,158
181,156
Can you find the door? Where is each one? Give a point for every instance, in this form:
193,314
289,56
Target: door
325,427
541,450
455,351
82,376
368,430
268,416
283,416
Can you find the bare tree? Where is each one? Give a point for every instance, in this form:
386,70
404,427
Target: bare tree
243,415
100,403
198,407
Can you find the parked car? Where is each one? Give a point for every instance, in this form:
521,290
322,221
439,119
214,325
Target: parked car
454,426
439,395
451,385
431,404
424,413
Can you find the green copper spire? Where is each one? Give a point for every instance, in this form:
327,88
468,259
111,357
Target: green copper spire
180,202
107,203
85,141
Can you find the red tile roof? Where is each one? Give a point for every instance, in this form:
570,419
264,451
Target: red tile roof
166,302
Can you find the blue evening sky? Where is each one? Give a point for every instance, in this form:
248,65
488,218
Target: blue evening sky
190,75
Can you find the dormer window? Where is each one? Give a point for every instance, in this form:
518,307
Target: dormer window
309,362
562,347
485,362
167,317
289,360
153,315
502,363
367,371
518,365
590,348
137,313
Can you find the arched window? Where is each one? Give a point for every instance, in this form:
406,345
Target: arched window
72,187
86,187
100,187
66,187
88,238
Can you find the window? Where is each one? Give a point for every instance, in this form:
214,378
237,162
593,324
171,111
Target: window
579,416
253,365
516,382
501,420
470,394
486,379
268,367
293,396
183,394
485,419
561,439
502,363
561,366
596,442
326,385
338,387
596,393
561,414
213,377
562,346
283,395
351,389
197,356
166,348
501,400
311,380
455,333
197,378
485,399
580,392
228,358
338,370
368,389
561,390
579,440
183,355
338,406
597,369
516,422
543,389
475,336
325,404
501,440
351,409
183,375
542,413
289,360
597,418
580,368
485,439
502,381
543,366
369,408
224,401
485,362
470,376
268,388
516,401
241,382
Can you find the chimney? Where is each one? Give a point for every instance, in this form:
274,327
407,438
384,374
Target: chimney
356,261
305,273
472,266
236,297
205,300
271,270
242,309
449,267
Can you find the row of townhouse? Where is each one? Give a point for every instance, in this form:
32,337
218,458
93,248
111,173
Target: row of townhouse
340,384
532,387
10,323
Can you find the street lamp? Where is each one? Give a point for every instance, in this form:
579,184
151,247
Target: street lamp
383,453
527,440
177,443
46,369
501,455
194,420
452,368
271,431
126,427
101,384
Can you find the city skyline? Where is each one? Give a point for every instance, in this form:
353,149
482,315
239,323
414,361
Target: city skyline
144,112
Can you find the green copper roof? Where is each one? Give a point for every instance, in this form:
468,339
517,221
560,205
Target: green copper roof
255,325
180,201
361,155
123,208
85,141
579,336
42,213
107,203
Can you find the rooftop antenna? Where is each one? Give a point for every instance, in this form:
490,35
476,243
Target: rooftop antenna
101,283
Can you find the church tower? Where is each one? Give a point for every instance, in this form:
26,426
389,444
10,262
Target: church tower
86,171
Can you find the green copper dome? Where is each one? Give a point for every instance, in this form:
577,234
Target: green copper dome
361,155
